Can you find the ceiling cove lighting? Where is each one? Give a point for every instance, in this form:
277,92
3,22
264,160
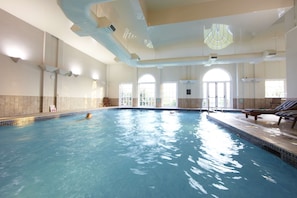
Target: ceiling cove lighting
218,36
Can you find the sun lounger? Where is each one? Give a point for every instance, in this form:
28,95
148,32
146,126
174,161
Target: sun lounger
289,114
287,105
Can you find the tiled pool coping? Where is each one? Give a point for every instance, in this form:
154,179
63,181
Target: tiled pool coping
274,148
20,121
27,119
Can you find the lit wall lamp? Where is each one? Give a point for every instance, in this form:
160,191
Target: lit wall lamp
95,76
15,51
76,70
15,59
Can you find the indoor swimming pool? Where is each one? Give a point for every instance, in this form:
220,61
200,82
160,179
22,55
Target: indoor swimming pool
129,153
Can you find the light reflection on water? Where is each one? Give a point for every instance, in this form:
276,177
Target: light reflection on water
152,139
137,153
149,138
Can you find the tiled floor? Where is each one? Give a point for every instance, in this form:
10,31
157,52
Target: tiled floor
265,128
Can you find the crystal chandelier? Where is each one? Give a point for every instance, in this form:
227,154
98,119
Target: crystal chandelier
218,36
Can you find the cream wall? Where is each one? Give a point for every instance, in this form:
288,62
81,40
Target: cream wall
244,94
27,86
292,63
16,78
261,71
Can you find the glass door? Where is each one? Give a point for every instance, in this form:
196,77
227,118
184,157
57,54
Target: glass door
217,94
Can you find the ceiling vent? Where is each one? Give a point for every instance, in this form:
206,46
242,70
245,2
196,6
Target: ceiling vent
211,59
135,57
269,53
103,22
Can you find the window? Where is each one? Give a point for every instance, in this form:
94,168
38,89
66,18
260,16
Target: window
169,95
146,91
125,94
274,88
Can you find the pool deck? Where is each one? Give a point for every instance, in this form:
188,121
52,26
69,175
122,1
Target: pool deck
280,140
265,132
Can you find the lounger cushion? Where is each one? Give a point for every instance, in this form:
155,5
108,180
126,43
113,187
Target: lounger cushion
259,111
288,113
289,104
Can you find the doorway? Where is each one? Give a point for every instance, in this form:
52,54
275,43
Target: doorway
216,90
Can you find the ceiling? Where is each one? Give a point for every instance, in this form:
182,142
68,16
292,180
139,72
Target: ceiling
157,33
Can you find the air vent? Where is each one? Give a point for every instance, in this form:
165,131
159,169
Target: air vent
211,60
112,28
103,22
135,57
213,57
269,53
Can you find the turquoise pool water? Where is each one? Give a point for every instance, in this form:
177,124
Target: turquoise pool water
137,153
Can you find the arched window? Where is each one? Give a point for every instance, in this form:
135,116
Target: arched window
216,75
146,91
216,89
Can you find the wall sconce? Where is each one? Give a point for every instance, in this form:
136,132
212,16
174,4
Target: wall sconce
76,70
48,68
15,51
95,76
64,72
14,59
69,74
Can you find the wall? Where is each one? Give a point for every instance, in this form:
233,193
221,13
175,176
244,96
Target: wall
251,94
291,56
27,86
38,79
245,95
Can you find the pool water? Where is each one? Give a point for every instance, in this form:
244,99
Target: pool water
137,153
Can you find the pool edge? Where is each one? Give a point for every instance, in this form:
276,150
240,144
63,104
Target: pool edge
274,149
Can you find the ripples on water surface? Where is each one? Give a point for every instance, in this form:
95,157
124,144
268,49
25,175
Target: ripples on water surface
137,153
